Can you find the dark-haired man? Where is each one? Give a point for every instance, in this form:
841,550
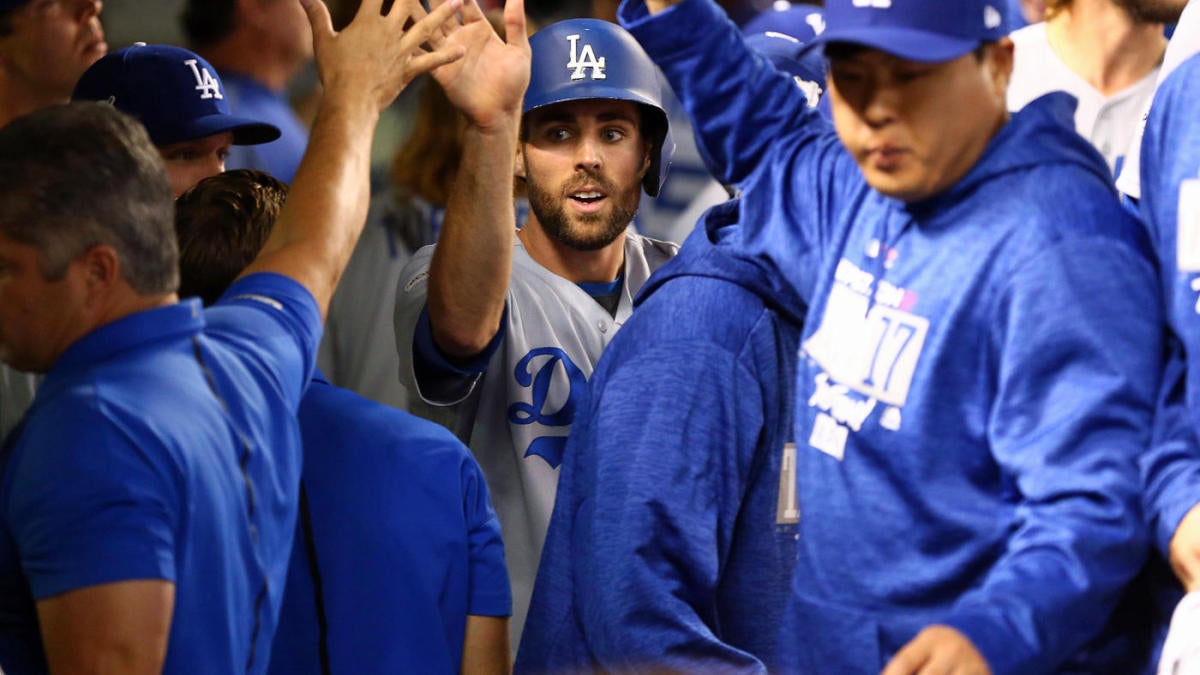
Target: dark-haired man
148,500
968,413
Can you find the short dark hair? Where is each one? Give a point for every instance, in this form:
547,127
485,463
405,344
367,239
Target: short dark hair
207,22
78,175
222,223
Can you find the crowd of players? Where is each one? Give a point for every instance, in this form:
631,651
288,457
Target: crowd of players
920,398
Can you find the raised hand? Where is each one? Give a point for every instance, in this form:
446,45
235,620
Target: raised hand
939,650
374,58
1185,550
488,83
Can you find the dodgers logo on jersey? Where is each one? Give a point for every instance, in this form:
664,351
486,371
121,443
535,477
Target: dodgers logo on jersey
582,60
206,84
536,371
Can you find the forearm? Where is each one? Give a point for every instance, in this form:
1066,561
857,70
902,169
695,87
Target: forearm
472,263
327,206
738,103
485,646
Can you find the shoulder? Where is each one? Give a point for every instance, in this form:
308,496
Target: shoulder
655,251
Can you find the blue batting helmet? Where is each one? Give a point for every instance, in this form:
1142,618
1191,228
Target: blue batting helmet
582,59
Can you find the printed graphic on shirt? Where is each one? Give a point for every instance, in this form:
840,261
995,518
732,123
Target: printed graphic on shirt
1187,238
547,388
787,511
868,346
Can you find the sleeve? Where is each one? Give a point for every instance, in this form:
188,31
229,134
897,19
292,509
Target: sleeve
1077,347
658,474
1170,165
488,593
94,508
424,369
275,324
739,104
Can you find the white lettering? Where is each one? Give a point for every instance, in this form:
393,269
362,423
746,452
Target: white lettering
205,82
582,60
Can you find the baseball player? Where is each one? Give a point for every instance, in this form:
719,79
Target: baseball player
180,100
1170,187
148,500
968,412
1105,53
397,563
497,334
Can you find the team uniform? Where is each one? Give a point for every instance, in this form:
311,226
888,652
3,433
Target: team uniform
674,533
164,446
16,394
1108,122
281,157
515,406
358,352
395,545
1185,42
1170,184
968,413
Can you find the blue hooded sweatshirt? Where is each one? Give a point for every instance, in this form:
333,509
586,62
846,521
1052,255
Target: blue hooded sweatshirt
672,539
976,379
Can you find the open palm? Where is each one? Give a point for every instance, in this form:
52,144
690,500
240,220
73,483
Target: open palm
489,81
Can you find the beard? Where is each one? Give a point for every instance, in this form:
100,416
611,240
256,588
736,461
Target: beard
1153,11
588,231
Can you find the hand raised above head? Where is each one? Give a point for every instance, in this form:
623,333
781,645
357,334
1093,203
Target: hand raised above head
488,84
372,59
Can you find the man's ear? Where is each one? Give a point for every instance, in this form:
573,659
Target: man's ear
101,270
1000,65
519,161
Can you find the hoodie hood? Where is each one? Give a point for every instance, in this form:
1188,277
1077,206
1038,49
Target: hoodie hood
705,253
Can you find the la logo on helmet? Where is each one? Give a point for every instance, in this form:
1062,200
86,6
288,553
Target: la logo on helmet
205,82
874,4
582,60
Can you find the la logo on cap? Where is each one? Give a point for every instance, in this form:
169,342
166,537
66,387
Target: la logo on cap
874,4
205,82
992,17
582,60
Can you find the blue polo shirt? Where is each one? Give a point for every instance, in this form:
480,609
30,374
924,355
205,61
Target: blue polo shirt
399,545
164,446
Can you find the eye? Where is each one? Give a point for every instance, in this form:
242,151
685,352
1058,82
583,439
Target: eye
557,134
181,155
223,153
905,75
612,134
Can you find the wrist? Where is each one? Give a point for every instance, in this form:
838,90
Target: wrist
497,124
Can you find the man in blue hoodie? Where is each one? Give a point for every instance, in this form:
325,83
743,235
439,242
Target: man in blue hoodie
981,348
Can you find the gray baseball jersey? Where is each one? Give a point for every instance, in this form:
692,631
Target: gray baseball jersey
358,349
1108,122
16,393
516,415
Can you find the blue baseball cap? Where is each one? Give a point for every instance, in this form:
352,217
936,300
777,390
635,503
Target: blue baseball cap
803,22
930,31
174,93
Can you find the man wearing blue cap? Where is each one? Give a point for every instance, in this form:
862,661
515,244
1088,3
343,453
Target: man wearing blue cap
149,497
180,100
968,412
498,330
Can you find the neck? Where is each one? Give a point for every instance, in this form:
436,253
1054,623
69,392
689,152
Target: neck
599,266
267,66
1105,45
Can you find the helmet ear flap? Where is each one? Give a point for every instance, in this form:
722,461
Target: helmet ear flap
656,127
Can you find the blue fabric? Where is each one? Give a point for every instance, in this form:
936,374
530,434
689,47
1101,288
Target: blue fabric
1170,160
129,467
428,358
602,288
977,380
281,157
407,544
664,551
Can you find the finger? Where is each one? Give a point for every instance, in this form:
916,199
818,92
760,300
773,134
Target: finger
908,660
423,29
472,12
319,20
514,24
429,61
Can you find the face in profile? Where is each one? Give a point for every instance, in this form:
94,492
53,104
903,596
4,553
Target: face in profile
583,164
916,128
190,162
53,42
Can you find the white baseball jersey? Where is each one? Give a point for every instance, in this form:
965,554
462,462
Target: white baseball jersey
1181,651
1108,122
516,415
16,393
358,349
1185,42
